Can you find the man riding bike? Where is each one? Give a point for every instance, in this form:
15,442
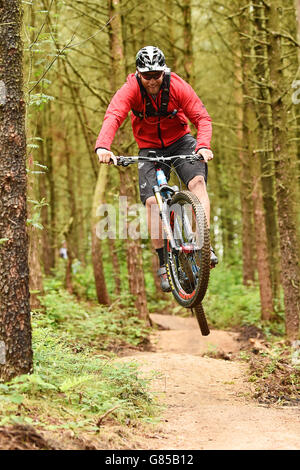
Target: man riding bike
161,103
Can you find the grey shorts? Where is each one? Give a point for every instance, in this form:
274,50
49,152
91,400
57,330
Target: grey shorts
185,170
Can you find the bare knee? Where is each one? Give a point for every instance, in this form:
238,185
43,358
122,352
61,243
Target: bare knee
198,182
150,202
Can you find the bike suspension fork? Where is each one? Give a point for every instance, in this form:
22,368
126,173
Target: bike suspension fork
164,218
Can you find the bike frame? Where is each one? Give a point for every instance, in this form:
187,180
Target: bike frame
163,195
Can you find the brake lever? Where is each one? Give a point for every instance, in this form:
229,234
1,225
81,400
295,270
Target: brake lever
124,161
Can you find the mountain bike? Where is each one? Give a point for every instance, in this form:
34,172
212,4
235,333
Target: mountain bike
186,236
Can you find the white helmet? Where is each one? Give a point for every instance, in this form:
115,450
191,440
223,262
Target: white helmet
150,59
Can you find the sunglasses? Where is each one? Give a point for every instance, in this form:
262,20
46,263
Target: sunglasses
150,75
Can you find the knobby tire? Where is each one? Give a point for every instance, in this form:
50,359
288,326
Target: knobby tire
200,315
194,299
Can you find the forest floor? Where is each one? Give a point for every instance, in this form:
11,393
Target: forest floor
208,400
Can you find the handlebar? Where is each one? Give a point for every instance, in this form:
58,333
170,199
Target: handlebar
125,161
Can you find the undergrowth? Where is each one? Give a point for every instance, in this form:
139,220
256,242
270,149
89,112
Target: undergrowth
101,326
71,388
275,373
230,304
76,379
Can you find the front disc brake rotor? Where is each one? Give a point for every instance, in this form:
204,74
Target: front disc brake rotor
185,265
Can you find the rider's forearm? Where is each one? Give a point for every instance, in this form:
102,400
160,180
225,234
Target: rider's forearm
204,134
202,121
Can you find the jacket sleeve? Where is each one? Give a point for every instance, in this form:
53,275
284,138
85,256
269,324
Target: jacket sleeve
196,112
116,113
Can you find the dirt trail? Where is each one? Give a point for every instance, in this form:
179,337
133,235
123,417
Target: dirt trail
208,401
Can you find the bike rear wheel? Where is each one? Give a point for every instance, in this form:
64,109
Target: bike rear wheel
188,270
201,319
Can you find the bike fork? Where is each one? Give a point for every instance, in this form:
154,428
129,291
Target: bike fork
163,215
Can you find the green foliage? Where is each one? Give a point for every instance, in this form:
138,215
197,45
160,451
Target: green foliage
36,207
228,302
74,381
94,324
84,281
40,99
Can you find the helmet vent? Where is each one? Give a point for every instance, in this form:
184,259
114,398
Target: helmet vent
149,59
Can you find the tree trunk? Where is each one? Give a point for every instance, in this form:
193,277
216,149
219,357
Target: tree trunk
83,120
116,265
169,7
248,244
15,328
79,185
98,199
251,132
134,252
70,234
264,275
35,273
159,294
188,42
35,270
248,248
46,252
51,182
285,168
264,115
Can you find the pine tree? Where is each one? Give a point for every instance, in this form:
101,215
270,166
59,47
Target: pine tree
15,329
285,166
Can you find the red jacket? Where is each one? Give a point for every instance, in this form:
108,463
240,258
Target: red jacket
156,132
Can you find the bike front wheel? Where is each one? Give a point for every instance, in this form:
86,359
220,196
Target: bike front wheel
188,267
